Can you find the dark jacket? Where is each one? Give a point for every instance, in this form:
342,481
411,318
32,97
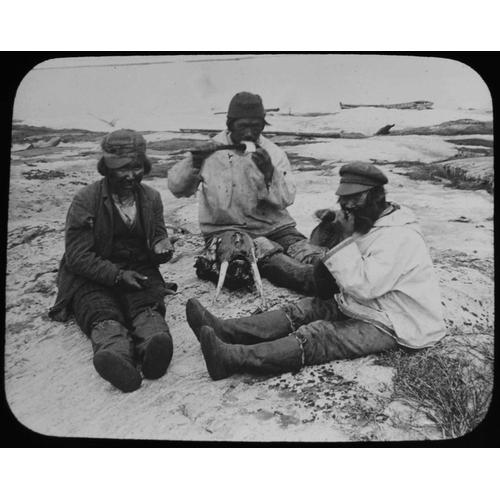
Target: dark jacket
89,242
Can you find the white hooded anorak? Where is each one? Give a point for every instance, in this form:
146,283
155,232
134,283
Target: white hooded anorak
387,278
233,192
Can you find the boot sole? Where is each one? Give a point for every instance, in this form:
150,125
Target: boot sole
209,348
157,357
117,371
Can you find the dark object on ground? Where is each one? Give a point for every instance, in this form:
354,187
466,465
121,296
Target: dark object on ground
404,105
456,127
465,173
472,141
384,130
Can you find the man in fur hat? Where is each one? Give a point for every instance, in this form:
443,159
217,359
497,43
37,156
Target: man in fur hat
247,192
381,276
115,239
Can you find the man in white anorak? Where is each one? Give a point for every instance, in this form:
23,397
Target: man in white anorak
376,290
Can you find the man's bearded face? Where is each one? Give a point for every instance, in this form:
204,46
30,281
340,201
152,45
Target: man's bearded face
363,208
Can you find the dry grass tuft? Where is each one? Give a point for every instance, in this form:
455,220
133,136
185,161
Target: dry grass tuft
452,382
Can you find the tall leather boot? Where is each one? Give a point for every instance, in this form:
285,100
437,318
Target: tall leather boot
281,270
113,355
262,327
223,360
153,343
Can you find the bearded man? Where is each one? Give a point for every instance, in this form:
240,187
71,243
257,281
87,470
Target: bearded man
247,192
381,276
115,239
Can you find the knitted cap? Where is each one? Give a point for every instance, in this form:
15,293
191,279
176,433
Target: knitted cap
359,177
122,146
246,105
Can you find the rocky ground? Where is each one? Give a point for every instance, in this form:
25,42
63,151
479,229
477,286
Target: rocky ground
53,389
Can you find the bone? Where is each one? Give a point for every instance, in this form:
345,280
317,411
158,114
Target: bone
258,282
257,279
249,147
222,277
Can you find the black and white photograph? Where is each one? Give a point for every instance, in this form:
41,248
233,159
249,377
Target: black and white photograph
251,248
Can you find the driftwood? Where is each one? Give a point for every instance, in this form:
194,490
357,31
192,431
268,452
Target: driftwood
32,152
270,110
328,135
206,131
52,143
404,105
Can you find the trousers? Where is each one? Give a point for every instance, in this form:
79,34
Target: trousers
327,334
286,237
94,303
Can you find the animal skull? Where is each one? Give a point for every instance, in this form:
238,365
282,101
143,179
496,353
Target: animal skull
235,250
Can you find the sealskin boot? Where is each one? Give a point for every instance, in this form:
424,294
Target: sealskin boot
262,327
154,343
113,356
112,367
283,271
224,360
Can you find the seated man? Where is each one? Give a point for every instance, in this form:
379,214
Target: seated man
388,295
246,192
108,276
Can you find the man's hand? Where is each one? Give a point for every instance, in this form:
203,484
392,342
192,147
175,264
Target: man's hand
264,163
201,153
133,279
345,224
326,215
164,249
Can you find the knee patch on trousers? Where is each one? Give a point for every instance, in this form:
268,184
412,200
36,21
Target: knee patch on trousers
143,305
97,316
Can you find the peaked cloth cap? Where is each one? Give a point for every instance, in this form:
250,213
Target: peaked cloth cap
246,105
359,177
123,146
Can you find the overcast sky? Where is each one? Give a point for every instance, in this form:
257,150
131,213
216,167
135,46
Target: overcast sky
169,86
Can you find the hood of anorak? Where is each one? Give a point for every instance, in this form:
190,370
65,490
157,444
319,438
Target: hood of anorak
401,217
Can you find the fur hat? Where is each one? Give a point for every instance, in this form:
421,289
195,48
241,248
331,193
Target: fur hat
359,177
122,146
246,105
